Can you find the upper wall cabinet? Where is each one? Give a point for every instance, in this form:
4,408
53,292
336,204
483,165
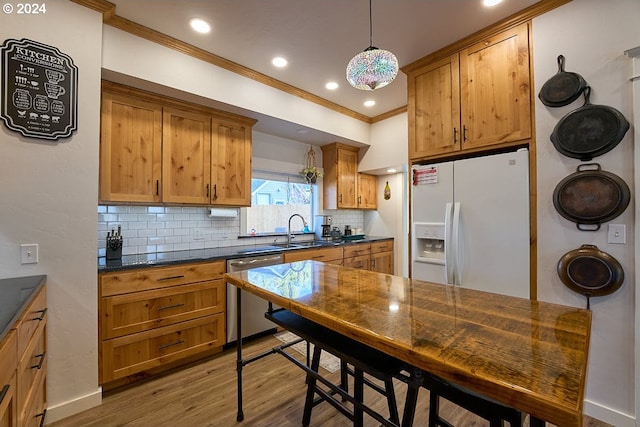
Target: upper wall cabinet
477,97
231,163
340,182
130,149
159,150
186,157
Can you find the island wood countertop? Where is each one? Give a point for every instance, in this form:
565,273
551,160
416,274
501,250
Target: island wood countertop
526,354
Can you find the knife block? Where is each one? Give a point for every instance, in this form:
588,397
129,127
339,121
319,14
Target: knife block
114,248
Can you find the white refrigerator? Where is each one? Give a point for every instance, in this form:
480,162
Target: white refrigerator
470,223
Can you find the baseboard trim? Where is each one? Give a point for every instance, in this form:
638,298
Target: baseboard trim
75,406
608,415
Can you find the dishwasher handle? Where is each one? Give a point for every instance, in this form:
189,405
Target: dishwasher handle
245,264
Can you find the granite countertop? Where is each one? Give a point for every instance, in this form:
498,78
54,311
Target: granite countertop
181,257
15,294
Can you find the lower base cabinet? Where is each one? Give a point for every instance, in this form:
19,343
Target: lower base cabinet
382,257
151,318
23,367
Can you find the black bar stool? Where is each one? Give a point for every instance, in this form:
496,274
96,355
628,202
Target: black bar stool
484,407
363,358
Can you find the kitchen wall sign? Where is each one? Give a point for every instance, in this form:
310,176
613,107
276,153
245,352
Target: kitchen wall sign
39,90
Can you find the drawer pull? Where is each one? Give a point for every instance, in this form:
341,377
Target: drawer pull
180,276
166,346
318,257
39,365
4,392
42,313
43,414
169,307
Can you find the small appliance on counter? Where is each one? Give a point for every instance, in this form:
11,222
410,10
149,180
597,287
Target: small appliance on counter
114,244
323,227
335,234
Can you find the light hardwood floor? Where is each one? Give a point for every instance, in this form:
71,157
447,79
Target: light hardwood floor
204,394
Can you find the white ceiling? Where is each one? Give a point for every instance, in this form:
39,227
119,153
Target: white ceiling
319,37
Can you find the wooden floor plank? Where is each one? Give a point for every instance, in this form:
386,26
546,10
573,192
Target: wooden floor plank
204,394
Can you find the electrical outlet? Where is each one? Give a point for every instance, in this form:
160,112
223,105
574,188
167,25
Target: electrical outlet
617,234
29,253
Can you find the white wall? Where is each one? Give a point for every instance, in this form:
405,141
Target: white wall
49,193
126,54
389,144
391,217
592,35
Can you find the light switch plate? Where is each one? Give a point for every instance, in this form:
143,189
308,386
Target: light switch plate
617,234
29,253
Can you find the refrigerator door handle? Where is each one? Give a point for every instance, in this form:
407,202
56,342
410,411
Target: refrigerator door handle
455,237
448,270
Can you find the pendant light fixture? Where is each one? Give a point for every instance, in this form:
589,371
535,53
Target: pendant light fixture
373,68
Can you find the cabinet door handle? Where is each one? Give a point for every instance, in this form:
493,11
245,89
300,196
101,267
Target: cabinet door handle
464,133
42,414
166,346
340,198
157,187
207,190
39,365
41,317
215,191
180,276
4,392
455,135
359,200
169,307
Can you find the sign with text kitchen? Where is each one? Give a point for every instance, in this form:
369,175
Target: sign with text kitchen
39,90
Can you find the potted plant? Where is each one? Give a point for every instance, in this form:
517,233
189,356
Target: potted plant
311,172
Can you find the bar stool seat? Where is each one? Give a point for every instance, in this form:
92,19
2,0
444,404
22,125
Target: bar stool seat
492,411
363,358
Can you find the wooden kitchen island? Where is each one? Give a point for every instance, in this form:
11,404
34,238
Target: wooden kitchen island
526,354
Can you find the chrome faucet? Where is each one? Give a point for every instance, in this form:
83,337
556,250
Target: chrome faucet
304,224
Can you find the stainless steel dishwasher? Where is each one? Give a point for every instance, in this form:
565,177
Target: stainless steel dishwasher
253,307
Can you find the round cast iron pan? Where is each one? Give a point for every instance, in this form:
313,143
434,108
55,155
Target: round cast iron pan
590,197
563,88
590,272
589,131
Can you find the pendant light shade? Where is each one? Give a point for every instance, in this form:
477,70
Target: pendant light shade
374,68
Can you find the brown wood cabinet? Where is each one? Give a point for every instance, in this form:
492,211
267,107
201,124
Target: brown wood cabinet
340,181
231,163
155,149
152,317
328,255
357,256
382,256
32,359
367,191
186,156
8,363
130,149
475,98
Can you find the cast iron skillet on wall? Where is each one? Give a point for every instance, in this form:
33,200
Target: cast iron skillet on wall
591,196
589,131
563,88
590,272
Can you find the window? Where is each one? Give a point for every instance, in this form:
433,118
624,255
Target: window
274,198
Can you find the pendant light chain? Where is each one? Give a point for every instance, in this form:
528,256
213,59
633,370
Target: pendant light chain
370,26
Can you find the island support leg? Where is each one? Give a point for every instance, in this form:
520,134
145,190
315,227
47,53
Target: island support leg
239,361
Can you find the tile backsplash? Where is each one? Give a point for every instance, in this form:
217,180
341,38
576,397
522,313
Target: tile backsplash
149,229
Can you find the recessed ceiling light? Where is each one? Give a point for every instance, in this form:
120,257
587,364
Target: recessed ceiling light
391,170
302,131
279,62
369,103
331,85
200,25
490,3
